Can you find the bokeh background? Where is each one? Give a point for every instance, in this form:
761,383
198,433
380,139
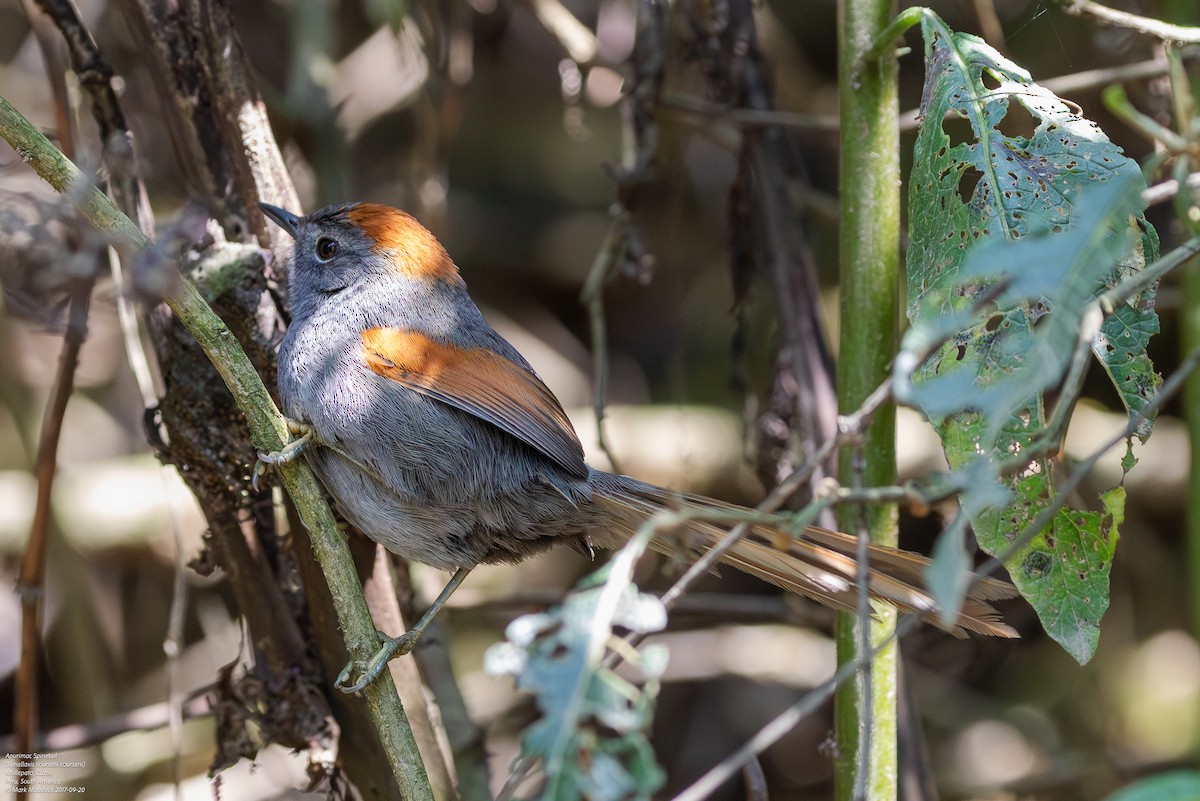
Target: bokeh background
478,122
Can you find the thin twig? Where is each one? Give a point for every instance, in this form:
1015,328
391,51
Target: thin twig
146,718
1071,387
125,183
575,37
1117,102
866,676
622,246
1179,34
383,599
29,584
849,428
1103,76
1143,280
612,252
116,141
54,56
910,120
769,734
708,606
749,117
1162,192
465,737
784,723
33,564
173,638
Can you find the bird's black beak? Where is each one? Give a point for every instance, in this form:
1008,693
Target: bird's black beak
284,219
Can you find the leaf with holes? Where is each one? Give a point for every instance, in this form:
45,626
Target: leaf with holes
1063,571
1121,344
1021,213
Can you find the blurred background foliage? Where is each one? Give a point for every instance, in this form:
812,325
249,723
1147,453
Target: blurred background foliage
475,118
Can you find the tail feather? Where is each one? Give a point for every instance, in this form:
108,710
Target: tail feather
820,565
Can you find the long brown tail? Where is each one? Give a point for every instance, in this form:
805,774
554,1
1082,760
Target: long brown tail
820,565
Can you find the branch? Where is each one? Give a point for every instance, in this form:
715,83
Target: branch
811,701
1178,34
33,564
268,432
575,37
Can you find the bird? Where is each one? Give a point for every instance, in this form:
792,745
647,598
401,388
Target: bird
438,440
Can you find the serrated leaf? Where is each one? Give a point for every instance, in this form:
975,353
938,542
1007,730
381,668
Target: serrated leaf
1013,233
1022,343
1025,184
1063,571
1121,344
1128,461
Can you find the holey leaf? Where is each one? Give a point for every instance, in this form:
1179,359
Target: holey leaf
1020,213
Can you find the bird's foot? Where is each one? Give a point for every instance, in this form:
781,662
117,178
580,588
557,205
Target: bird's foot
390,649
303,434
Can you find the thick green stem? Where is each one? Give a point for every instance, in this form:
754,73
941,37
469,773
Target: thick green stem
870,245
268,432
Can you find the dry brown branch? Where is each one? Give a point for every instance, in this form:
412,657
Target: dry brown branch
120,166
30,583
146,718
229,159
464,737
768,240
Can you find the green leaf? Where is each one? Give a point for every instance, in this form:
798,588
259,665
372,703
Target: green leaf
1063,571
591,735
1178,785
949,569
1128,461
1021,213
1121,344
1021,344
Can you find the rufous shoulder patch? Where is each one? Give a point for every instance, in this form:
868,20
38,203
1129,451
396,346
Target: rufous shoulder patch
481,382
417,252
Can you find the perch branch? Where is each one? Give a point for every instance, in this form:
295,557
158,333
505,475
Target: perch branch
268,432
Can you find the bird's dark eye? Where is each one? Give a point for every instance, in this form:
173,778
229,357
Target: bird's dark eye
326,248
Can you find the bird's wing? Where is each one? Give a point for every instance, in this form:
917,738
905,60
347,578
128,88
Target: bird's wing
480,382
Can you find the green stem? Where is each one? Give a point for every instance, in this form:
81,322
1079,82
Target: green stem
1117,102
865,710
883,42
268,432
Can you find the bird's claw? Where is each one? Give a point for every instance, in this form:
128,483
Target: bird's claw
391,648
267,461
